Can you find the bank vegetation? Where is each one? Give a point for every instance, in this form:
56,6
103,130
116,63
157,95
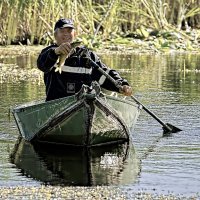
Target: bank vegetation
160,22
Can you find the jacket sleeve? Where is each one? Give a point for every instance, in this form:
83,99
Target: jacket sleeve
47,59
101,79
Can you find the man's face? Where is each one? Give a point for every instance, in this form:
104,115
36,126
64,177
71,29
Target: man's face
64,35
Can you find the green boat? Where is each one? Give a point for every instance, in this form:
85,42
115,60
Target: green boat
88,118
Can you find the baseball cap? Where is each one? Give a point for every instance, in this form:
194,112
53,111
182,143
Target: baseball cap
64,23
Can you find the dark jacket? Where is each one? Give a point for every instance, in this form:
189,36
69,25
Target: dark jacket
75,73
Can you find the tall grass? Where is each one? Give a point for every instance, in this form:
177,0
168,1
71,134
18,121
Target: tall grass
32,21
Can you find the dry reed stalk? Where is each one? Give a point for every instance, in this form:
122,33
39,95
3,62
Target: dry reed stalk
32,19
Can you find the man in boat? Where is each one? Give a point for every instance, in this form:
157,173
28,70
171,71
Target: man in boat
75,70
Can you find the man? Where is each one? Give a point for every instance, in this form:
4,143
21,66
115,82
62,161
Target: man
75,71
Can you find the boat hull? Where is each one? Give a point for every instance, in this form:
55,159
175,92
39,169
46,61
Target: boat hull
87,118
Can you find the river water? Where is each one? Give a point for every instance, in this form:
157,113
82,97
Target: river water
169,85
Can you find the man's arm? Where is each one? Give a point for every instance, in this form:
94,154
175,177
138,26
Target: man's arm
105,83
47,59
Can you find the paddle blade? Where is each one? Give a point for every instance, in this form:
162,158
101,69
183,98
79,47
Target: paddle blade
168,128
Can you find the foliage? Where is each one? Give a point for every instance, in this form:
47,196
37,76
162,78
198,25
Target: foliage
32,21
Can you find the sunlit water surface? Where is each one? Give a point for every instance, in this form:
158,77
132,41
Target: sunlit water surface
169,85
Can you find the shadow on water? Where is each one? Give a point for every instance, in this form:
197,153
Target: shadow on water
58,165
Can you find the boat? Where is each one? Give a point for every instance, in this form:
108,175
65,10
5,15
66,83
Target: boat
88,118
115,164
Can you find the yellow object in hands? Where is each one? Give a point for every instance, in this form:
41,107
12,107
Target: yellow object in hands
63,57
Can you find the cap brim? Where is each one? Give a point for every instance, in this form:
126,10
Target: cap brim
67,26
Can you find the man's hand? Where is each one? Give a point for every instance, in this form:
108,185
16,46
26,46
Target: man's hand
64,49
126,90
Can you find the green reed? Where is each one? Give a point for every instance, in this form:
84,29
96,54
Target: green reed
32,21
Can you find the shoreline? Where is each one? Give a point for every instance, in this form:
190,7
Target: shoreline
94,192
143,48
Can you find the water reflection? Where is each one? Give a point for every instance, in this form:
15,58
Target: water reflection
160,82
25,61
167,76
58,165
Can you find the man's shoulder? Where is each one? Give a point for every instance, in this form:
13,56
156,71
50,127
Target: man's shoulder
49,47
82,50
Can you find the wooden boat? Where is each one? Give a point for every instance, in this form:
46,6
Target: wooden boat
115,164
86,118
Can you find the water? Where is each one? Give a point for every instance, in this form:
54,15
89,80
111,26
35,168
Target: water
168,85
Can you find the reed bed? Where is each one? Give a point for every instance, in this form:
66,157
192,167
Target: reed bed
31,22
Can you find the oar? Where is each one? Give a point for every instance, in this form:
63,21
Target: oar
167,128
